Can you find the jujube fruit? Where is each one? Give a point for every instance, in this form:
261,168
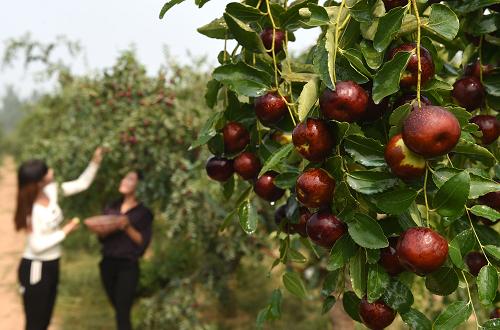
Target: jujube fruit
313,139
219,169
475,261
403,162
266,189
389,258
422,250
315,188
236,137
267,39
376,315
324,228
270,108
489,126
410,76
247,165
347,103
469,93
431,131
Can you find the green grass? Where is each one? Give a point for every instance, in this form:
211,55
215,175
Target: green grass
82,303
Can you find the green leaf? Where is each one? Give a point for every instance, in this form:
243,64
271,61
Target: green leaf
248,217
443,21
459,246
276,158
492,84
453,315
487,283
362,11
372,57
245,36
228,219
388,26
389,204
275,304
451,197
461,114
308,98
486,212
293,283
366,151
343,249
386,81
244,12
291,19
415,320
372,256
378,280
357,270
216,29
243,79
330,283
228,188
398,296
493,250
493,324
328,304
436,84
166,7
442,282
370,182
213,87
286,180
474,151
479,185
208,130
366,232
355,58
351,303
295,256
468,6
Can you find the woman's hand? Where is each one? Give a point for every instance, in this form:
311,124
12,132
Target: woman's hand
124,222
71,226
98,155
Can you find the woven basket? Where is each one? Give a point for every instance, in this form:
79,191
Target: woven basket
103,224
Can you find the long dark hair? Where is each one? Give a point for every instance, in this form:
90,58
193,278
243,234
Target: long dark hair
30,173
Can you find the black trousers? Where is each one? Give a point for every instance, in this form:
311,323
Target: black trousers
39,298
120,278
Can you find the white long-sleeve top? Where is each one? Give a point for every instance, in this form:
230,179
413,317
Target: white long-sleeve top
44,240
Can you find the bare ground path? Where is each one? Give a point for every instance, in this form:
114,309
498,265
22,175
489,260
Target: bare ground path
11,246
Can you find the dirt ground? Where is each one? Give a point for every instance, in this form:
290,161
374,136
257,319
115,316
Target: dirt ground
11,246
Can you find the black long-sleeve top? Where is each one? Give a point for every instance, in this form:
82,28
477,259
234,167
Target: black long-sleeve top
119,244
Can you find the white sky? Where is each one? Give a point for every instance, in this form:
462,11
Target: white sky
104,27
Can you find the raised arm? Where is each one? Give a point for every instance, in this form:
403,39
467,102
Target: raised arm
86,178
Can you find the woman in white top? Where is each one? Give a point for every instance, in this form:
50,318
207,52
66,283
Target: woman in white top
39,214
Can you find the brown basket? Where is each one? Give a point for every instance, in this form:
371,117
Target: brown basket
103,224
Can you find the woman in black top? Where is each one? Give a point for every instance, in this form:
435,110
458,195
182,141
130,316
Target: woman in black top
122,249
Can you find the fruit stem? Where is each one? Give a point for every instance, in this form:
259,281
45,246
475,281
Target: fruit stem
425,195
225,49
477,237
419,73
449,160
336,40
470,300
273,51
481,59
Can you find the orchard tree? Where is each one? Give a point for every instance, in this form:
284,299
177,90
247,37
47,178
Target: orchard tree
379,147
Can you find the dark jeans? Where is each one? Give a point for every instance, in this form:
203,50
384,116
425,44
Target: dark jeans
39,298
120,278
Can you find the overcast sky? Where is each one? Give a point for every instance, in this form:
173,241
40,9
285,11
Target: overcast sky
104,27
